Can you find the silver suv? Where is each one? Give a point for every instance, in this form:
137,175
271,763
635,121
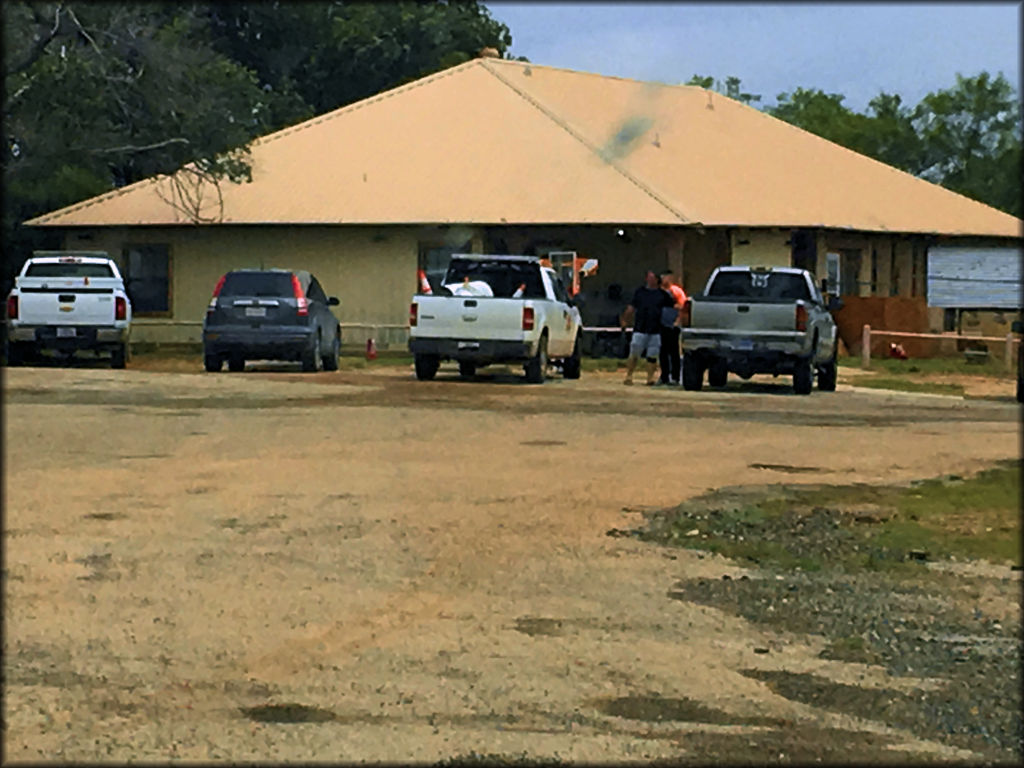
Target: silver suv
271,314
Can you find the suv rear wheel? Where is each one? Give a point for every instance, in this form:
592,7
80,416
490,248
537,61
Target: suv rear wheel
212,362
311,360
330,360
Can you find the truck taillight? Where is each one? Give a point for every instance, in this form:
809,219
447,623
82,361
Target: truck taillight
687,314
120,308
12,307
300,296
527,318
801,317
414,310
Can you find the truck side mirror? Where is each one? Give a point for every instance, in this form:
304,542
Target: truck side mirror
333,301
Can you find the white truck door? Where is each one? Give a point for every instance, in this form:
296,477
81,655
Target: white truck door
560,316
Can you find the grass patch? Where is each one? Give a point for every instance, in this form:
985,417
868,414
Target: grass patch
602,364
854,527
993,366
910,385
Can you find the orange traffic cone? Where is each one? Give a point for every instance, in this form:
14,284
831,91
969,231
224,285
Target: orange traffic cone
424,283
371,350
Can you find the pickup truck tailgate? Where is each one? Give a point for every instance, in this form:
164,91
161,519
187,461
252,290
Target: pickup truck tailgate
66,300
743,317
462,317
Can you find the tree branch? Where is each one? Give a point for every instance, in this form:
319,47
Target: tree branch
146,148
32,55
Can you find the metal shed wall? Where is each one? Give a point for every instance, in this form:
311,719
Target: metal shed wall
978,278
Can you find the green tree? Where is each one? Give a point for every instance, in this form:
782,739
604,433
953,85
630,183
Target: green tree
971,134
730,87
329,54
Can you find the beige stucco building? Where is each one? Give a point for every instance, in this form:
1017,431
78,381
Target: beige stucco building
499,156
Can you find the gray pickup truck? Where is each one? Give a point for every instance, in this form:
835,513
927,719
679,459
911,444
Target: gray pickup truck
759,320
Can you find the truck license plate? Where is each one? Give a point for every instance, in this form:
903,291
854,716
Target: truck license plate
744,345
64,333
255,311
469,345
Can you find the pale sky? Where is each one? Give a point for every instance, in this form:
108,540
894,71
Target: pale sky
853,49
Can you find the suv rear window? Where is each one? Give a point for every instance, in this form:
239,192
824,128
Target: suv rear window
69,270
760,285
257,284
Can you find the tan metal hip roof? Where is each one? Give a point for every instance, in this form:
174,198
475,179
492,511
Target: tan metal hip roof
494,141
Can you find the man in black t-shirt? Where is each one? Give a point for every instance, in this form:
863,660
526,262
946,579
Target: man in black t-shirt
645,310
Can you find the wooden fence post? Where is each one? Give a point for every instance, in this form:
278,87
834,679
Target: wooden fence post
1008,352
865,347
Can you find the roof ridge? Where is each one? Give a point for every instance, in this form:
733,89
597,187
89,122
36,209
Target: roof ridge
591,74
564,125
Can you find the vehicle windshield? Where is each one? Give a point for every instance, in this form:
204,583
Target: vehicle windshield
69,269
782,286
257,284
503,277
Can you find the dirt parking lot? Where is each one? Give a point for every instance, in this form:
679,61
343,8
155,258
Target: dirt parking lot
358,566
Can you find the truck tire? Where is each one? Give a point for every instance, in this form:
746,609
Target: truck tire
572,364
467,369
803,376
426,366
312,360
537,368
119,356
236,362
15,353
212,363
692,373
330,360
827,375
718,374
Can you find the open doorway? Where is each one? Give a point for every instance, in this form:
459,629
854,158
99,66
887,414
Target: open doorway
804,249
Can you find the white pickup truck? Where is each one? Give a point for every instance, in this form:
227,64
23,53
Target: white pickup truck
68,301
496,309
759,320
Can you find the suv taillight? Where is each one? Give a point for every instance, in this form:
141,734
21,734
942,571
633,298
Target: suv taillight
414,311
687,314
527,318
300,296
801,317
12,307
216,292
120,308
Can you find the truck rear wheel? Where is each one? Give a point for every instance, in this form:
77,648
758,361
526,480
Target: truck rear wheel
15,353
236,362
571,365
426,366
119,356
692,373
467,369
537,368
827,375
803,377
718,374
